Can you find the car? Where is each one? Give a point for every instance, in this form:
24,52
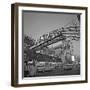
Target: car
67,66
41,68
49,68
45,67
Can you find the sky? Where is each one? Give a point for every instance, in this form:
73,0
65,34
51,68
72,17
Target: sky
36,24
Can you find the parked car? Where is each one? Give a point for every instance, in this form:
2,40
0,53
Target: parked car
45,67
67,66
41,68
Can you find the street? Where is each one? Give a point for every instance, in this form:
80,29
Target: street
59,72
